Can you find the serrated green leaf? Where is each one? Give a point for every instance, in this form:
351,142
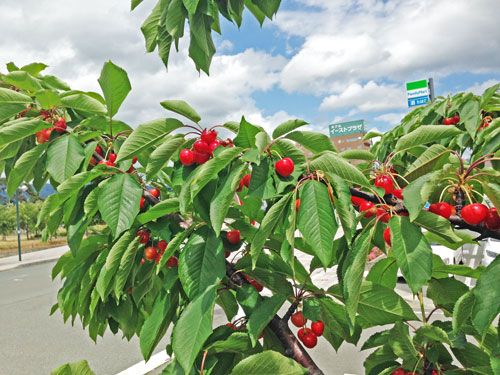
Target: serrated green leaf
173,246
487,296
470,115
162,154
145,136
16,130
8,96
287,127
75,368
357,155
126,264
463,310
83,102
9,110
165,207
426,134
384,272
268,363
182,108
23,168
201,263
22,80
115,86
400,342
412,251
246,134
316,220
314,142
118,201
149,27
438,225
193,328
64,157
263,314
432,158
48,98
104,124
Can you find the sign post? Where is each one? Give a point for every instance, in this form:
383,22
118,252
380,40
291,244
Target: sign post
420,92
347,128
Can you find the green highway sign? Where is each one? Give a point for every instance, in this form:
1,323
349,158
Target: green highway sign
347,128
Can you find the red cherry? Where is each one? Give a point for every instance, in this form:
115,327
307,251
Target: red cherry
107,162
310,340
398,193
162,245
298,320
187,157
383,215
240,186
212,146
143,261
131,169
385,182
46,133
492,220
134,160
227,253
172,262
399,371
40,138
435,372
201,147
158,258
302,332
369,207
155,192
234,236
150,252
144,238
208,137
99,150
442,209
141,205
448,121
297,204
60,126
357,201
318,327
474,213
455,119
387,236
112,157
284,167
201,158
246,180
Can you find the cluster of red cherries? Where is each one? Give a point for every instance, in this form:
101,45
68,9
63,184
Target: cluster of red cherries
485,122
156,252
202,149
451,120
308,336
60,126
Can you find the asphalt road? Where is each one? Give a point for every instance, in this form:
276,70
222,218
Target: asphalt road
32,343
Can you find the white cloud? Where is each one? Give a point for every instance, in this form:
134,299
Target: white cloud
349,42
391,118
478,88
368,98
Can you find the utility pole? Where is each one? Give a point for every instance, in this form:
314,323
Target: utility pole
18,226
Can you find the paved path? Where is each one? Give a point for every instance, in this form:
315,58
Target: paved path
35,257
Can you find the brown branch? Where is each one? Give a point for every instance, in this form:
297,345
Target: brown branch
279,326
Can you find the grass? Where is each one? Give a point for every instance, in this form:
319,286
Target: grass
9,246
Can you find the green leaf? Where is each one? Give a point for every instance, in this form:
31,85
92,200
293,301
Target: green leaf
182,108
76,368
487,296
201,46
22,80
357,155
316,220
268,363
126,264
34,68
262,141
426,134
268,7
161,156
470,356
224,195
311,309
115,86
412,251
145,136
48,98
9,110
150,25
332,163
20,129
438,225
135,3
8,96
463,310
263,314
118,201
104,124
193,328
255,10
445,292
201,263
379,305
353,277
432,158
470,115
227,301
173,246
343,206
64,157
73,184
384,272
314,142
418,192
165,207
261,181
191,5
23,168
400,342
493,192
108,271
232,126
155,326
266,227
287,127
52,82
83,102
246,134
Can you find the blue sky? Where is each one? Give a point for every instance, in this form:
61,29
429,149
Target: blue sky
323,61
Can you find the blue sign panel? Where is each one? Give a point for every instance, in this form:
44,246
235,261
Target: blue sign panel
413,102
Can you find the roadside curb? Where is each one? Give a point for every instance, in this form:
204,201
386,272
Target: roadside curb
33,258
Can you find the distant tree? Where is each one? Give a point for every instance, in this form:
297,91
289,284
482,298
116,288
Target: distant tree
7,220
28,213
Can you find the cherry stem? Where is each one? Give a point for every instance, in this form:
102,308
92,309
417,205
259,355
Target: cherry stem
482,159
203,361
459,159
481,174
122,133
192,127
